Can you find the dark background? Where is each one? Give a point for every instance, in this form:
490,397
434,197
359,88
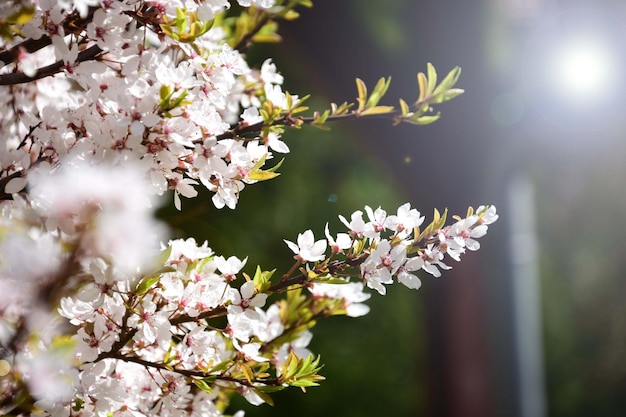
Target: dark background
453,348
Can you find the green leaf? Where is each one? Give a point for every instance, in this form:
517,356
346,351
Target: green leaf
269,388
262,175
181,20
449,81
362,94
275,167
422,83
330,280
247,371
450,94
165,92
424,120
404,107
432,78
262,279
222,366
146,283
203,384
378,110
78,404
291,366
379,91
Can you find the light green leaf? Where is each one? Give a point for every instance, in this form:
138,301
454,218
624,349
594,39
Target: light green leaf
449,81
432,78
362,92
262,175
378,110
422,83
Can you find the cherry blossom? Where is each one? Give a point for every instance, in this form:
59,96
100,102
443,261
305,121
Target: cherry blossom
104,107
307,248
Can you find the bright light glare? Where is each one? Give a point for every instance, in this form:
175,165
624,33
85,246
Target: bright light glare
583,70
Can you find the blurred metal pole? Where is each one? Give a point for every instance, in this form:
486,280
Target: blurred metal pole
526,298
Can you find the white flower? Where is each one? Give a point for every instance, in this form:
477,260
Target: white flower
342,242
308,249
356,223
376,224
404,273
350,293
432,258
246,300
251,116
269,325
229,267
405,220
273,141
383,262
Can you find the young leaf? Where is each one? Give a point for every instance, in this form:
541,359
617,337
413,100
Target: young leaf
448,82
378,110
259,175
422,83
362,91
379,91
432,78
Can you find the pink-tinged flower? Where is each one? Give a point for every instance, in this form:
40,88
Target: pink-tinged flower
376,222
342,242
487,214
307,249
382,264
404,273
246,301
405,220
106,29
229,267
432,258
152,325
356,223
181,186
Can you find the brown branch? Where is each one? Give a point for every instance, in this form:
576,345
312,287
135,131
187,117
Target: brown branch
88,54
196,374
211,314
72,25
3,183
334,269
29,45
291,121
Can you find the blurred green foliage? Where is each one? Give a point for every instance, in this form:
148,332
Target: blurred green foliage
583,282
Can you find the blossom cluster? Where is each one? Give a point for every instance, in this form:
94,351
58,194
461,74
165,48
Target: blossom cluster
180,334
105,105
387,246
126,91
193,332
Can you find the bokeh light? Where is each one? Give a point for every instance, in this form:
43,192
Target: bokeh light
571,68
583,69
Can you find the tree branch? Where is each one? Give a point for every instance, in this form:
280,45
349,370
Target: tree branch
88,54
